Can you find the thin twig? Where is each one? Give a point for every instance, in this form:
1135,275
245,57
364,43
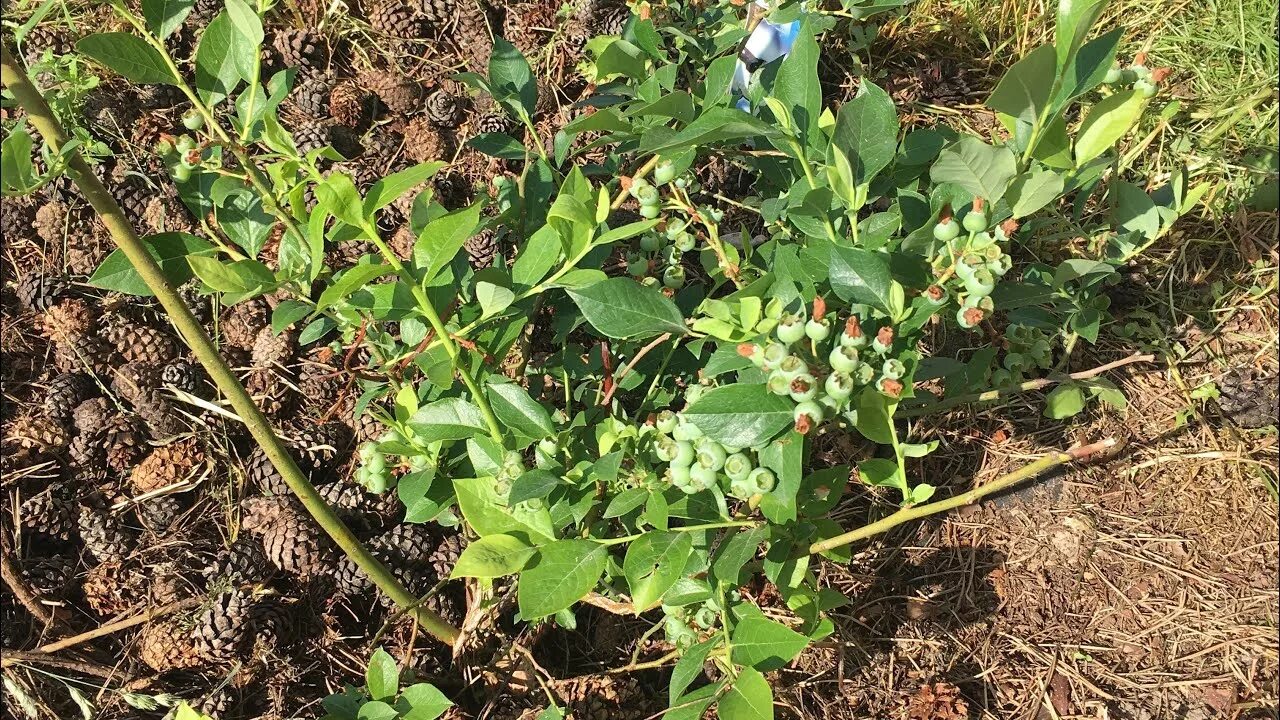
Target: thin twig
20,657
117,626
631,365
1026,387
1005,482
13,578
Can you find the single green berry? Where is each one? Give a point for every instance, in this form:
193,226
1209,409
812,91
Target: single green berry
779,384
674,227
969,317
1145,87
1140,72
774,354
181,173
694,393
817,330
192,119
648,195
705,618
682,182
716,214
864,373
184,144
711,454
893,369
804,387
638,267
738,466
664,173
637,185
946,230
702,477
678,474
980,283
790,329
650,242
839,385
665,422
649,212
843,359
852,336
684,454
741,488
666,449
673,277
685,242
367,450
884,340
975,221
1113,74
762,480
792,367
889,386
686,431
935,295
163,148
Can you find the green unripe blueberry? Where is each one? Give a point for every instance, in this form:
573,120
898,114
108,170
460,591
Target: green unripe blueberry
650,242
935,295
679,475
946,230
649,212
184,144
181,173
674,227
804,387
192,119
665,422
686,431
980,283
817,330
716,214
705,618
790,329
1145,87
843,359
693,394
637,185
702,477
367,451
762,480
666,449
1140,72
163,148
664,173
711,455
893,369
792,367
975,221
648,195
684,454
779,384
1113,75
685,242
738,466
1002,266
774,354
638,267
741,488
968,317
376,464
673,277
864,373
839,385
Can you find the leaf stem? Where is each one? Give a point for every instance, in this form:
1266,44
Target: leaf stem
682,528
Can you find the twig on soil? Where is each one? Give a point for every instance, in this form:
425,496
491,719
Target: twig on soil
908,514
613,606
119,625
13,578
631,365
1029,386
19,657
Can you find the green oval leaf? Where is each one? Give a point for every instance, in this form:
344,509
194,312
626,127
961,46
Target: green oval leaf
861,276
623,309
130,56
170,251
492,556
1107,122
653,564
519,411
741,415
750,698
764,644
383,676
561,574
447,419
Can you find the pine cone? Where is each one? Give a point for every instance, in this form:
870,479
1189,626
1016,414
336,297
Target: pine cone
51,513
243,562
397,19
186,376
131,193
402,242
103,536
303,49
270,349
16,216
109,112
86,249
351,106
70,318
446,109
604,697
123,443
482,248
167,214
294,544
423,142
39,291
64,394
273,390
472,37
134,381
223,629
409,544
88,457
84,352
311,95
272,624
144,344
167,466
112,587
445,555
160,414
400,94
198,304
166,646
39,432
321,449
51,577
91,416
158,514
490,121
50,222
349,579
168,585
241,323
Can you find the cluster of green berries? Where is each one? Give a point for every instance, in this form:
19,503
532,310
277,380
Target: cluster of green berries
664,249
373,473
182,154
696,463
1029,349
1136,75
973,249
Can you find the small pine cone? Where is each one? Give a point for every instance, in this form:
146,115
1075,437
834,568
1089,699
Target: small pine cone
219,704
272,624
423,142
368,428
86,250
445,109
65,393
263,475
88,457
349,579
17,213
351,106
84,353
295,545
186,376
471,29
161,415
311,135
123,443
401,95
110,112
51,513
158,514
402,242
198,304
91,416
305,49
445,555
103,536
311,96
320,450
270,349
167,214
242,562
482,248
131,193
273,391
133,381
50,222
40,291
70,318
111,587
145,344
241,323
223,629
167,645
168,585
167,466
604,697
51,577
397,19
405,545
40,432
